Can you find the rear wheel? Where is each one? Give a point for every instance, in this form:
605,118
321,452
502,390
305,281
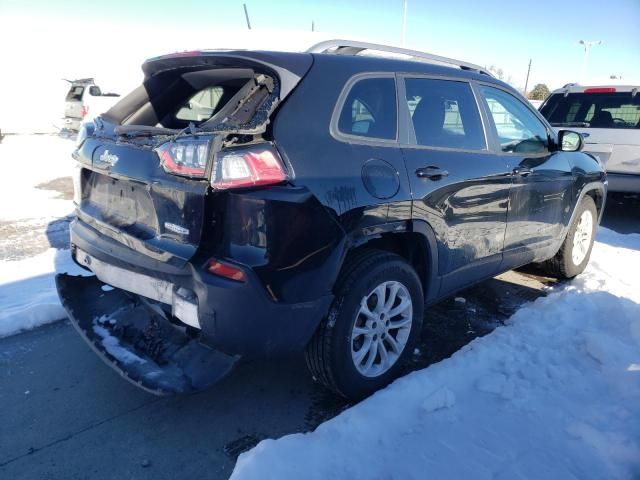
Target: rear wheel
374,320
574,254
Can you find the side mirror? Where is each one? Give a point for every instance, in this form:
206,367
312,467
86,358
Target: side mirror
570,141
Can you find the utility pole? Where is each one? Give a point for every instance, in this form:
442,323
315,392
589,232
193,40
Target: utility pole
587,47
246,15
404,22
526,83
313,26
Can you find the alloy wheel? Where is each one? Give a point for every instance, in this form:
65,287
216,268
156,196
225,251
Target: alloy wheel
381,328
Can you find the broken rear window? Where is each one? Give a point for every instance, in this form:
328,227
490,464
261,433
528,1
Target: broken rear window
173,99
75,94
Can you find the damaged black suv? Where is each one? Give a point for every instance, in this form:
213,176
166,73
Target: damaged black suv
248,203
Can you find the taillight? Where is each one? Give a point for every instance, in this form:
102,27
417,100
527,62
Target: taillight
599,90
85,111
185,157
225,270
252,166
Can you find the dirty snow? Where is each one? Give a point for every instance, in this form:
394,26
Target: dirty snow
555,394
112,344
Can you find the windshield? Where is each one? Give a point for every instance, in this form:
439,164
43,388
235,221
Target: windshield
593,110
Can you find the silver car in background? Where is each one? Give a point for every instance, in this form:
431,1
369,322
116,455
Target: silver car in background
608,117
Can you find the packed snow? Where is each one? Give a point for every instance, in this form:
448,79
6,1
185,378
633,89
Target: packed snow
555,394
28,296
112,344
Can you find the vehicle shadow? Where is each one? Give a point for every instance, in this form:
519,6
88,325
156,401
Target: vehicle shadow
453,323
622,213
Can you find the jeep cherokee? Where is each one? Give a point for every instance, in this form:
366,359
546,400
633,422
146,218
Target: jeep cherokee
247,203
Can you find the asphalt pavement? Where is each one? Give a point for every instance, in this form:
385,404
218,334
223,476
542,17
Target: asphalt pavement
66,415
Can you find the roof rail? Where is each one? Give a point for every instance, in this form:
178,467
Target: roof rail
352,47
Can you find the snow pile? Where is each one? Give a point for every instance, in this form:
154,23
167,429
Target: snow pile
28,296
555,394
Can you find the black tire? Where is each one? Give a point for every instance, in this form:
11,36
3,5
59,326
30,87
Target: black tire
328,353
562,264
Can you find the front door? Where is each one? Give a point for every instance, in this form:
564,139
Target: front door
541,195
459,186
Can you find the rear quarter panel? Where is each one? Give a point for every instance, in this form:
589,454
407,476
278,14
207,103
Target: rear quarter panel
331,168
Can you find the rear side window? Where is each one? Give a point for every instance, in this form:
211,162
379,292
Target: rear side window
444,114
75,93
517,127
593,110
370,109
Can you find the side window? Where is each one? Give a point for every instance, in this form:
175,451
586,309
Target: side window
444,113
518,129
370,109
94,91
201,106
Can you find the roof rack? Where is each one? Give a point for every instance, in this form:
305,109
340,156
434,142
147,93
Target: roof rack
352,47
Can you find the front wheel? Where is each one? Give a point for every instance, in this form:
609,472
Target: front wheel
574,254
374,320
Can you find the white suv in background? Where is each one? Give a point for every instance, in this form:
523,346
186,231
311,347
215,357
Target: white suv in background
608,117
84,102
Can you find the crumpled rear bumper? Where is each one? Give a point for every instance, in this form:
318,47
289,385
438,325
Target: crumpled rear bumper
135,338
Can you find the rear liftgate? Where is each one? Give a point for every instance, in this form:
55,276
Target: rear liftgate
135,338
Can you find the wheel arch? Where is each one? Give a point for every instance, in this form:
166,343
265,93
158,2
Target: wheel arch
413,240
598,192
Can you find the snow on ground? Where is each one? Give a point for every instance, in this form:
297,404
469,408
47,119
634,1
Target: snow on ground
26,162
28,296
555,394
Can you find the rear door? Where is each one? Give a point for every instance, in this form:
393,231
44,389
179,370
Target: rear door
459,186
541,195
608,119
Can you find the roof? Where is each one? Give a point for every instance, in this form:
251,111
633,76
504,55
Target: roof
578,88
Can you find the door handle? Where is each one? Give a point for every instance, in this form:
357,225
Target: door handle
431,172
522,171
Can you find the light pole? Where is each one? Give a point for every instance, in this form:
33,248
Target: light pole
404,22
587,46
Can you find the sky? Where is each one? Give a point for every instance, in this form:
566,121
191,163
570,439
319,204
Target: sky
109,40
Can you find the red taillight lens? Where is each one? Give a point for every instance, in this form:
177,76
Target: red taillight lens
600,90
253,166
185,157
225,270
85,111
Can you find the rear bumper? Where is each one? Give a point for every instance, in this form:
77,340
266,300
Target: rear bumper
71,123
623,182
237,318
